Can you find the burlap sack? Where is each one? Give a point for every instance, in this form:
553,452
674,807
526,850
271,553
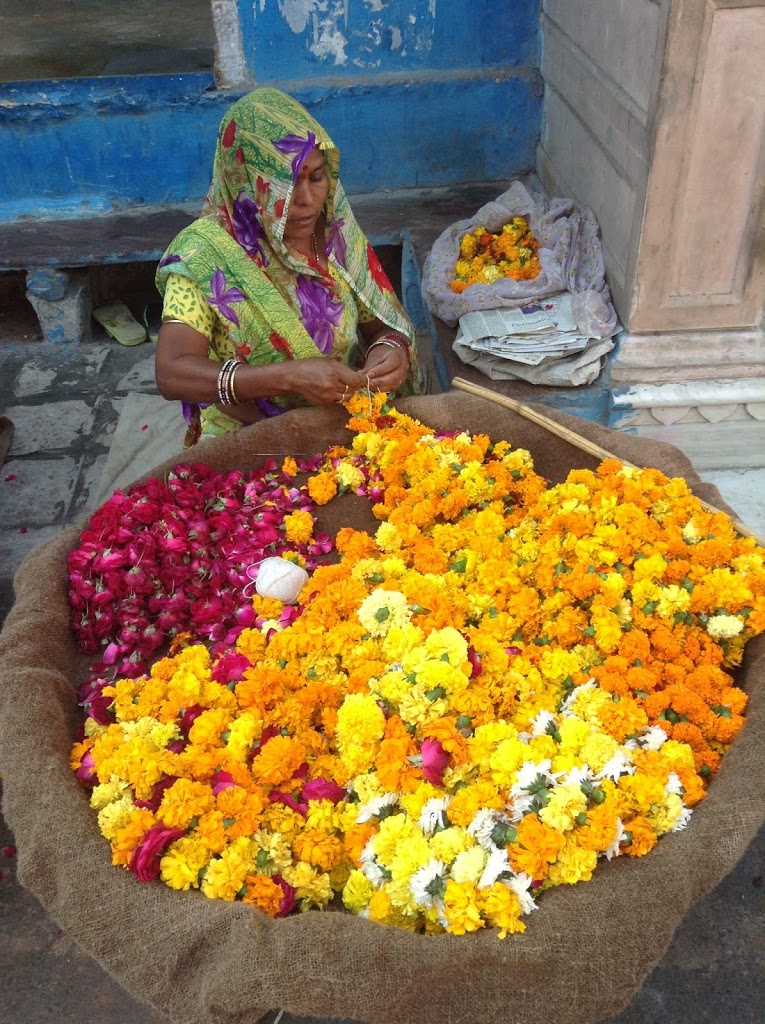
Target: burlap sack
587,949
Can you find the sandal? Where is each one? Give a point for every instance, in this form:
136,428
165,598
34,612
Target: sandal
120,324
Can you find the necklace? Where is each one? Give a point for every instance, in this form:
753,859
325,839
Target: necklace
314,246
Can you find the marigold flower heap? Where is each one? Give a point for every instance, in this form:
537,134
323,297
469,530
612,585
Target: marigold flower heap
507,683
485,257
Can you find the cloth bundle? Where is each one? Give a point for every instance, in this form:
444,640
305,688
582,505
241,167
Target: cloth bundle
571,260
586,950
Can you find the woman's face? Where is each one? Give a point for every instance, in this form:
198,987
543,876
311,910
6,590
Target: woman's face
307,202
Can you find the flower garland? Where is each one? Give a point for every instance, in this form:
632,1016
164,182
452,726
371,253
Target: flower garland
485,257
506,684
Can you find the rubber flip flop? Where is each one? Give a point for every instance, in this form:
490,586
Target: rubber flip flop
149,316
6,436
120,324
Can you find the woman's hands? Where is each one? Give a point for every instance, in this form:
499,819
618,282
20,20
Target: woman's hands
386,367
323,381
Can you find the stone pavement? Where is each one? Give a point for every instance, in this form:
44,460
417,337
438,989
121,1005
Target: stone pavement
65,402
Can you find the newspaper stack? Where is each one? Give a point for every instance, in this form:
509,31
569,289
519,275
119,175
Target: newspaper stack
533,334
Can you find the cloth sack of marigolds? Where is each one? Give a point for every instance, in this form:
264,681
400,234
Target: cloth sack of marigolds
500,720
516,250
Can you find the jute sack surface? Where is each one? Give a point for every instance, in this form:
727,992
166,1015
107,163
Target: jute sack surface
586,950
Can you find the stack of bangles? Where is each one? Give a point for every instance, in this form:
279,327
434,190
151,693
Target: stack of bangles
226,390
393,341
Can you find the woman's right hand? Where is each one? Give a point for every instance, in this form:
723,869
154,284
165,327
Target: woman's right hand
323,381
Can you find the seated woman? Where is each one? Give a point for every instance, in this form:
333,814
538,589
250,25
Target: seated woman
265,292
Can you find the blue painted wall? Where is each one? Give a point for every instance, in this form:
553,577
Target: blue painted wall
416,93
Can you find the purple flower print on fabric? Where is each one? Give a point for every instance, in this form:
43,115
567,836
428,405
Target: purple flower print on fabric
167,260
319,311
222,297
336,241
248,230
299,146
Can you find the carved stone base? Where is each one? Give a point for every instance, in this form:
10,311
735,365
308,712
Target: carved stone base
703,391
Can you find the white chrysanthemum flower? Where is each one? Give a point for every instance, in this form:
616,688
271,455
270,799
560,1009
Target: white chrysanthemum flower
496,864
615,848
618,765
426,884
528,773
673,784
723,627
541,722
373,807
369,866
682,821
577,775
432,814
653,738
521,886
482,826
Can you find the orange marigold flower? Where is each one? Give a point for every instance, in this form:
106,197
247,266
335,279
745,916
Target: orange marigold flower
264,893
536,847
643,837
278,760
318,848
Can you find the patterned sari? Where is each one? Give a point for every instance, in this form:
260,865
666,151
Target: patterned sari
273,304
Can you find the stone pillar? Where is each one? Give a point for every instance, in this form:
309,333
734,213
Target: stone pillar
669,152
695,348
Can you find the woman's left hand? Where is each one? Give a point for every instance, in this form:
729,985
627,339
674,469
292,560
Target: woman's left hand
386,367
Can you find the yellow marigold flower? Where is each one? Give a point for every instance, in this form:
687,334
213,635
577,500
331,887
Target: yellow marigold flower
182,862
360,728
225,875
313,888
380,907
242,733
290,467
298,526
673,599
598,749
106,792
357,892
468,865
565,803
450,842
460,908
349,476
395,830
652,568
208,728
383,609
388,538
500,907
664,816
575,863
115,816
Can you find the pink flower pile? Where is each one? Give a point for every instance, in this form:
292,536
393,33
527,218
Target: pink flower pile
180,556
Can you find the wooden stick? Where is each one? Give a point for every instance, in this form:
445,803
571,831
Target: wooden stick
575,439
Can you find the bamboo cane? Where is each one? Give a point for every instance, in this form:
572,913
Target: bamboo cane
575,439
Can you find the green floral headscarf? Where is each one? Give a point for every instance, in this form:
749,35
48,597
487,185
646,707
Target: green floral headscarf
274,304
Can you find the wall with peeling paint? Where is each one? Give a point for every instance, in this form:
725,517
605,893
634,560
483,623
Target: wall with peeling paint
416,93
